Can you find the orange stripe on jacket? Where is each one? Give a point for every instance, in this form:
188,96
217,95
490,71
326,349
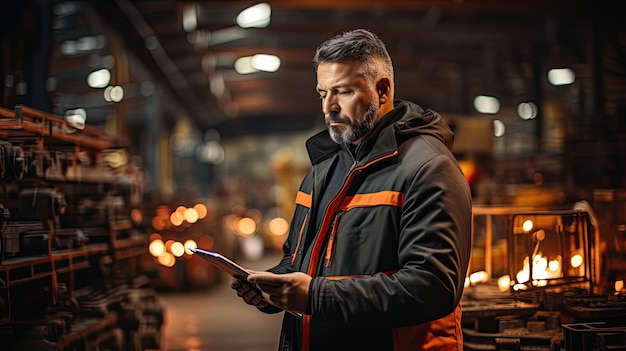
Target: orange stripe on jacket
388,197
304,199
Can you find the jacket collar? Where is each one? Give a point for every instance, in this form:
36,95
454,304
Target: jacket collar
404,121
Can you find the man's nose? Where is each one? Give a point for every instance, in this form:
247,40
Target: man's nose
329,104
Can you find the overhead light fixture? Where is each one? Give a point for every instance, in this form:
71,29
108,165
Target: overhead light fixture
75,119
256,63
257,16
527,110
114,93
83,44
487,104
99,78
266,63
498,128
561,76
243,65
190,18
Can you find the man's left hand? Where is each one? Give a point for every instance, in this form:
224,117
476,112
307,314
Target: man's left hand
287,291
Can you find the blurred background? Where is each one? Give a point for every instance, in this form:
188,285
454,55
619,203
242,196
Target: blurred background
214,100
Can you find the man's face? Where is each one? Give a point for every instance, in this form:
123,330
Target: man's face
349,103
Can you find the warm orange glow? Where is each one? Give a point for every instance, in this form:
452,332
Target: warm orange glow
619,285
156,247
167,259
178,249
278,226
246,226
554,265
168,245
469,170
542,270
162,211
191,215
528,225
206,242
504,283
159,223
176,219
255,214
202,210
518,287
193,343
155,236
136,216
479,277
190,244
576,261
230,221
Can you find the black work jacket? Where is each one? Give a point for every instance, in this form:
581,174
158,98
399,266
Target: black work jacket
390,257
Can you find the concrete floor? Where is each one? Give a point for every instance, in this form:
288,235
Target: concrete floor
218,320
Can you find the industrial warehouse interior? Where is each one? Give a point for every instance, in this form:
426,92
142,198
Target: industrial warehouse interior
133,131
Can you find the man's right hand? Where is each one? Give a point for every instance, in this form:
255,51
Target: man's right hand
249,293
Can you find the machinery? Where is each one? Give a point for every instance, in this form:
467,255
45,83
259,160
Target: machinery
538,282
72,242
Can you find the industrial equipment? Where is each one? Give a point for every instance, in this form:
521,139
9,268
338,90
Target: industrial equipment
72,240
534,282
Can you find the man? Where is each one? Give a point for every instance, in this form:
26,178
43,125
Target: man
380,240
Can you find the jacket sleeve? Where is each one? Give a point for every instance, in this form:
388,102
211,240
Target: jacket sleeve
433,255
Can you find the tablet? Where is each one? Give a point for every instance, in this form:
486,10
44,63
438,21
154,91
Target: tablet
222,262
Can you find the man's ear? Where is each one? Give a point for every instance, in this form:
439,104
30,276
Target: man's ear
383,87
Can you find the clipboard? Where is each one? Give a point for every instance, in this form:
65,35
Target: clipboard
222,262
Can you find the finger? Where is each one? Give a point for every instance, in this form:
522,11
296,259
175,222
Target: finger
242,290
236,283
272,289
255,298
269,298
276,300
265,278
252,297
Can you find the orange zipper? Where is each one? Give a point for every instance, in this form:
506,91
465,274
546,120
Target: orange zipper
295,252
331,240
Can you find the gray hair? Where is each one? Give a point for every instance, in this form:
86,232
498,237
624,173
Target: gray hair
357,45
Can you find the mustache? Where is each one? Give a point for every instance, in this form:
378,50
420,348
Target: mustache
335,117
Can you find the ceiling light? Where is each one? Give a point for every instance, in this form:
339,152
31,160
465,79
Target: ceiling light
498,128
267,63
243,65
114,93
561,76
257,16
256,63
99,78
76,118
486,104
527,110
190,18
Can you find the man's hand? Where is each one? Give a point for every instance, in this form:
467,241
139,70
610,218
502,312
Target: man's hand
250,294
287,291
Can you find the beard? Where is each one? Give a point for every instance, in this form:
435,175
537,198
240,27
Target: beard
353,130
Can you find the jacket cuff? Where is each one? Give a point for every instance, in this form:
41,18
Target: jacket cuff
270,309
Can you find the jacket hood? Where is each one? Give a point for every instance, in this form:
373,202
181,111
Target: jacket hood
405,121
417,121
